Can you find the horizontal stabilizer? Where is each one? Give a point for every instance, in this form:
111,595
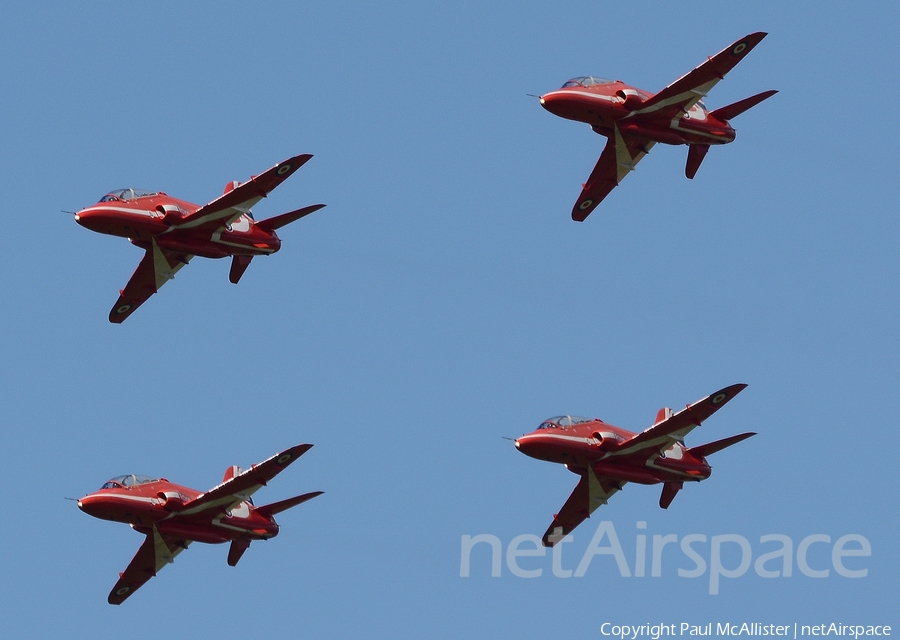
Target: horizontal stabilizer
270,224
239,265
710,448
737,108
696,153
236,550
670,490
270,510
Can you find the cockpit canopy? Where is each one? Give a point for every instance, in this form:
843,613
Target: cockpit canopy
127,482
563,422
586,81
127,194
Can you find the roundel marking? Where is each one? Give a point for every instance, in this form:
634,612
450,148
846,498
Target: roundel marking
585,204
719,398
123,309
121,591
283,169
283,458
739,48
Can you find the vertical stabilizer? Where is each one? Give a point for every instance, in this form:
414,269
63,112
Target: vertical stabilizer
663,414
231,472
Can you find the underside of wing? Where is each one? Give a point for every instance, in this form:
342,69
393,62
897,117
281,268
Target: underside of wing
156,552
674,428
156,268
690,88
234,203
243,485
591,492
620,156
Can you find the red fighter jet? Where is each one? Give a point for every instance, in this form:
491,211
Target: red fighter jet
172,516
174,231
634,120
607,457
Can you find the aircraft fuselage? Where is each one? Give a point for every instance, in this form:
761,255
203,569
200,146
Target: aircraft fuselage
615,103
591,445
156,503
157,217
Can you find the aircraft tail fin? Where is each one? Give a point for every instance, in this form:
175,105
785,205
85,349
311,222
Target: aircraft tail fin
239,265
270,224
696,153
270,510
710,448
236,550
663,414
231,472
737,108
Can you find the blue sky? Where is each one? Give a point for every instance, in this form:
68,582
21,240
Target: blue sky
444,299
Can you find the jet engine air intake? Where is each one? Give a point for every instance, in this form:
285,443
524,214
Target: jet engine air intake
170,214
604,442
631,99
170,501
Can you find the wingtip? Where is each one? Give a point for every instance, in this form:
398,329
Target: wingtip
300,449
302,158
720,397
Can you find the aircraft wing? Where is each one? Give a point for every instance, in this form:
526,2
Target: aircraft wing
591,492
690,88
243,485
157,267
663,434
156,552
233,204
620,155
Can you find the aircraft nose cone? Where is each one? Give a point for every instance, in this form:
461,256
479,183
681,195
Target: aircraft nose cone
525,445
87,219
554,102
546,101
99,220
89,505
565,105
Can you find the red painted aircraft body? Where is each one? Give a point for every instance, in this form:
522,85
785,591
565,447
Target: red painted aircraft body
172,231
172,516
608,457
634,120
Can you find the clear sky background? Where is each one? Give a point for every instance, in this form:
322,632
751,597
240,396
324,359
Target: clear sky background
442,300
